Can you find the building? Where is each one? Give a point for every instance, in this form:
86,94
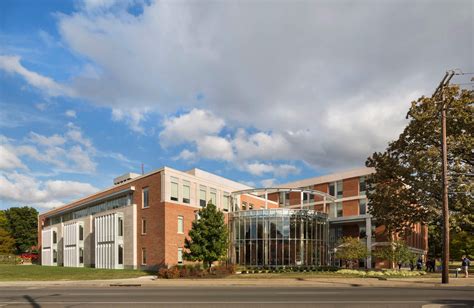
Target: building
142,220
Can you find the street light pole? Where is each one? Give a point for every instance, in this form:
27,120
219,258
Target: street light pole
444,147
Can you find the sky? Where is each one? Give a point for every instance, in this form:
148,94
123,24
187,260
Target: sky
261,92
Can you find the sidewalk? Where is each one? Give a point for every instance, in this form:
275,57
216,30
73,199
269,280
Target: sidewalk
149,281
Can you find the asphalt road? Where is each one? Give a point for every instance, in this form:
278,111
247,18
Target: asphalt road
236,296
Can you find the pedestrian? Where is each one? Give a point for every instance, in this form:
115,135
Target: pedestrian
419,264
465,266
428,265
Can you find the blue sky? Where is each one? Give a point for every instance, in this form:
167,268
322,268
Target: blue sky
259,92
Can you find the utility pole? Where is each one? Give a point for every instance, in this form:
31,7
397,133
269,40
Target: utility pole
440,93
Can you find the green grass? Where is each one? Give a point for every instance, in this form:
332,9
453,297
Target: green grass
58,273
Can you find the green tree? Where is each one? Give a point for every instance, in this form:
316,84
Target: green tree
208,237
397,252
406,188
22,224
462,243
7,242
351,249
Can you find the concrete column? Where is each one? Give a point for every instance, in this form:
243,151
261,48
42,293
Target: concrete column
368,232
266,199
301,199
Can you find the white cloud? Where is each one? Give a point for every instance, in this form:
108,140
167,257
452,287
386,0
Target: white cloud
189,127
51,141
300,85
26,190
11,64
9,159
132,117
214,147
279,170
70,113
268,182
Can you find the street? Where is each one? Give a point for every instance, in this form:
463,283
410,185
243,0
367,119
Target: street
236,296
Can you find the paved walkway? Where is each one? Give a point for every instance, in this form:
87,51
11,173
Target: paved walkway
150,281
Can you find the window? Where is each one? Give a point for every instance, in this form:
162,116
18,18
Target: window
284,198
244,206
180,255
202,196
55,237
143,256
332,189
225,202
250,206
81,255
81,232
55,256
180,224
145,197
174,189
339,187
143,226
362,186
120,226
362,206
120,254
339,209
213,196
186,192
362,232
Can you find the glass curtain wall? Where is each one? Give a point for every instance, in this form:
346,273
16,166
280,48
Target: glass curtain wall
279,237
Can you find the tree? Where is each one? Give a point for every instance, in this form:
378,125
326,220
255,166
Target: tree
351,249
22,224
208,237
7,242
406,188
462,243
397,252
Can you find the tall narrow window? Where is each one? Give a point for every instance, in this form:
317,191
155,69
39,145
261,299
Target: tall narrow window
180,255
225,202
55,256
244,206
145,197
81,232
174,189
340,188
202,196
55,237
332,189
362,186
120,226
186,192
143,226
81,255
213,196
180,224
143,256
120,254
362,206
339,209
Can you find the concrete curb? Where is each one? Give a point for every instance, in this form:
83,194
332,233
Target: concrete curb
150,281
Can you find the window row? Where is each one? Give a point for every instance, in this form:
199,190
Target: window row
336,189
336,209
204,194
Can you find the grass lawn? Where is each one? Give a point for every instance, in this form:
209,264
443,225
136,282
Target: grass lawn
36,272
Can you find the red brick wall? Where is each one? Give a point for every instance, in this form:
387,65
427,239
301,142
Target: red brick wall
258,203
175,240
350,187
350,208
